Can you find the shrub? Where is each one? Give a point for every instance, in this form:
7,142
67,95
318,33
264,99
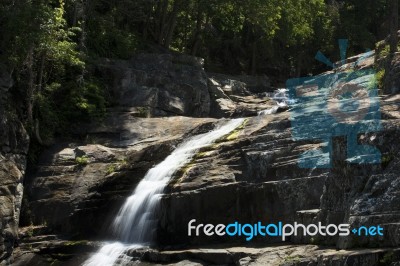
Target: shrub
83,160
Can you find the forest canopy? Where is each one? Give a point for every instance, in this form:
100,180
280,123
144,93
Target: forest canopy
49,45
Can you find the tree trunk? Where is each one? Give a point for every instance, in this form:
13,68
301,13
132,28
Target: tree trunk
31,86
172,24
85,11
393,40
254,59
41,71
299,64
394,25
163,21
37,132
147,21
197,35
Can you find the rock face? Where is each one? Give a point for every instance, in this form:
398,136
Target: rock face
362,194
77,183
251,175
390,71
235,97
367,195
159,85
14,145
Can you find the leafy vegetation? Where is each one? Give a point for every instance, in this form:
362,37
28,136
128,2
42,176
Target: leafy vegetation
49,45
52,86
83,160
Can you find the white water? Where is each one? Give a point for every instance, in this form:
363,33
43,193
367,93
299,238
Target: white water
136,221
109,254
270,111
281,98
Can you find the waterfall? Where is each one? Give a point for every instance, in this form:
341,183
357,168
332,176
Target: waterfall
281,98
136,221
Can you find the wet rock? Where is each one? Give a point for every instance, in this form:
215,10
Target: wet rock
251,175
77,188
231,97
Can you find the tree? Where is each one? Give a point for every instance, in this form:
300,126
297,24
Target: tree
394,25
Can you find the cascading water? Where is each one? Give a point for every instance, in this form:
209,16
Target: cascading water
281,98
136,221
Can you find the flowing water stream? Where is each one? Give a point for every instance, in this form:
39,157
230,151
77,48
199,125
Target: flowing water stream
281,97
136,222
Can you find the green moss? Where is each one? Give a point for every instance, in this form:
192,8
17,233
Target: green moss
379,78
204,152
234,134
143,112
123,161
243,125
178,176
30,231
111,169
384,51
292,259
209,148
76,243
83,160
187,167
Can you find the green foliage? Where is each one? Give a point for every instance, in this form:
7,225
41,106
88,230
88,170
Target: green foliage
30,231
49,44
110,31
106,40
240,36
55,38
50,70
86,102
380,78
361,22
60,106
82,161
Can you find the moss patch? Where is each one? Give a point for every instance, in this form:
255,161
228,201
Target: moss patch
111,169
76,243
292,259
234,134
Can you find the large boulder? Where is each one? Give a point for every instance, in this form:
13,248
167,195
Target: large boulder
157,85
14,144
